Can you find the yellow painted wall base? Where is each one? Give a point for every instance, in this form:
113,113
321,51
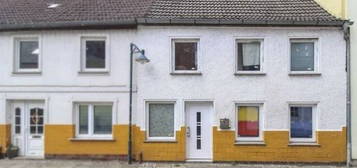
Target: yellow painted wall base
5,134
332,148
276,149
160,151
58,142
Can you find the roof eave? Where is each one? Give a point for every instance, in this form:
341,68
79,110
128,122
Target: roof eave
130,23
167,21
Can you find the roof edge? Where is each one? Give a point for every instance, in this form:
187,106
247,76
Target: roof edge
130,23
133,23
167,21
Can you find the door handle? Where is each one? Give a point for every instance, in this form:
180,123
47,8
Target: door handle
188,131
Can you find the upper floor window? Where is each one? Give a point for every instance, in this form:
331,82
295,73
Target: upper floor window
302,123
303,53
185,55
249,122
249,55
94,119
27,55
94,54
161,120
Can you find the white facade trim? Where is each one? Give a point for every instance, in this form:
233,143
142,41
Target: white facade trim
243,39
147,103
91,119
261,122
16,39
173,40
94,37
315,117
317,46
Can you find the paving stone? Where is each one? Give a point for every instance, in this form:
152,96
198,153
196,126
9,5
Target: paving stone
5,163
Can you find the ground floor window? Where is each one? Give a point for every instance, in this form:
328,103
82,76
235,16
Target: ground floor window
161,121
302,123
94,119
249,122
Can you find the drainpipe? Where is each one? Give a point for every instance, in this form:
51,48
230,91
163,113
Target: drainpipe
346,31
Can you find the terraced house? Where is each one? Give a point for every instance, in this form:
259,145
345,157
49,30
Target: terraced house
232,80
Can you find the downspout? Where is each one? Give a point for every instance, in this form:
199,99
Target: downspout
346,31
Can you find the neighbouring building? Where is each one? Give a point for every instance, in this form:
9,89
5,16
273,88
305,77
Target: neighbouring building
352,14
346,9
236,80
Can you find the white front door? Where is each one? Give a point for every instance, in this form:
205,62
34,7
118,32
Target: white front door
28,127
199,120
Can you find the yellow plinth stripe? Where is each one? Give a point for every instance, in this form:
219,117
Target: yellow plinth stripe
332,148
5,134
160,151
58,141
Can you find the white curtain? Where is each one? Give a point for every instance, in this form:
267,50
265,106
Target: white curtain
251,54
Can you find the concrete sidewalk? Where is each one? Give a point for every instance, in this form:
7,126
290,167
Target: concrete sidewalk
116,164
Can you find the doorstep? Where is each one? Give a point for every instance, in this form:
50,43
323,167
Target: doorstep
28,158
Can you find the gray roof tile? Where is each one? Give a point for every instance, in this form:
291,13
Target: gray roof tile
258,10
30,14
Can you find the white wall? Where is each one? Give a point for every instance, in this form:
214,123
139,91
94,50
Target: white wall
219,84
60,83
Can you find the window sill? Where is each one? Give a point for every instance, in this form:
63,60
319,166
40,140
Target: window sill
250,143
311,144
249,73
160,141
27,73
304,74
94,72
109,139
186,73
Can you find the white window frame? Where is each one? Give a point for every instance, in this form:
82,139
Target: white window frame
173,56
147,104
91,120
83,40
316,54
249,40
314,124
16,65
261,123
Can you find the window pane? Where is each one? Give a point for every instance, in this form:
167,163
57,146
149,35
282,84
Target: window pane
102,119
33,129
18,111
28,54
249,56
302,56
186,56
83,119
248,121
301,122
17,129
95,54
161,120
40,130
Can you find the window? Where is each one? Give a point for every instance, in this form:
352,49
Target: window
302,120
18,121
249,54
303,54
161,120
27,54
94,119
185,55
249,122
94,54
